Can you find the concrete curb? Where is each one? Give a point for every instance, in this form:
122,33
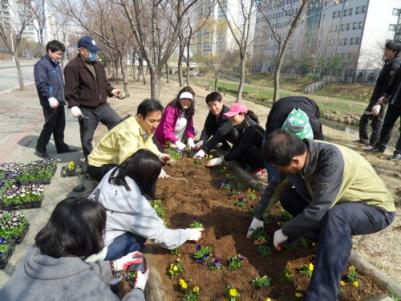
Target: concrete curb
17,87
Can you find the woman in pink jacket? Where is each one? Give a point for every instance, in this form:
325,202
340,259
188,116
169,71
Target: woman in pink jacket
176,125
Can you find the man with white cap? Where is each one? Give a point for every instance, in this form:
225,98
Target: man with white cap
86,91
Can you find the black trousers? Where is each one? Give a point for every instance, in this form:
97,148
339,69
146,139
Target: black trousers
393,113
104,114
252,159
54,124
376,124
97,173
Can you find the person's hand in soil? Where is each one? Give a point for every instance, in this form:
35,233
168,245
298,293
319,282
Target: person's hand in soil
191,143
278,239
200,154
123,263
255,225
141,279
215,162
165,158
163,174
195,234
198,145
180,146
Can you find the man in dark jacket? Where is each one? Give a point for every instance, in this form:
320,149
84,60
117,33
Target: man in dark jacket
385,84
217,128
330,190
86,91
50,86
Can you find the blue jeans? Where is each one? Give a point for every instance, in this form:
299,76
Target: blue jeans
335,240
124,244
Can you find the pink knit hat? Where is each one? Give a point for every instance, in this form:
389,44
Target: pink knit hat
236,109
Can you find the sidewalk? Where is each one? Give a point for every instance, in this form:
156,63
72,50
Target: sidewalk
21,120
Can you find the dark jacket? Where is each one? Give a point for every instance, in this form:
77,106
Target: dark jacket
49,81
250,135
395,97
282,107
386,82
82,88
216,130
333,174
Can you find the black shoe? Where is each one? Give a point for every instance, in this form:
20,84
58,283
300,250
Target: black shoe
79,188
395,157
67,150
43,155
377,150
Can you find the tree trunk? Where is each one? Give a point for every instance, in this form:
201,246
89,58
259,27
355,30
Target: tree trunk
133,68
167,73
154,83
19,70
179,66
242,77
116,63
188,65
124,73
216,75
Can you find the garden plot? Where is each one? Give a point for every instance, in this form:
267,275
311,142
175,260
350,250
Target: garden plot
225,265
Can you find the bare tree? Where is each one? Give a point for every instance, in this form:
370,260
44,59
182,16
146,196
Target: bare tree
12,36
39,21
156,25
241,32
281,39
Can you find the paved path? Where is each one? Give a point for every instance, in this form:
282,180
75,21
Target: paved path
9,75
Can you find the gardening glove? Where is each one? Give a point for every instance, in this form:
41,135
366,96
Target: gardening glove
198,145
383,100
215,162
76,112
195,234
376,110
191,143
116,92
163,174
164,157
123,263
255,225
278,239
200,154
180,146
141,279
53,102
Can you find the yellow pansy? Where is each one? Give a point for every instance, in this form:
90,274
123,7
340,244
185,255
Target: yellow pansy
355,283
298,295
233,292
342,283
196,289
268,299
310,267
183,284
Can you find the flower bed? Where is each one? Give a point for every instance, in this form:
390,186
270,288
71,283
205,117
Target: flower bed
22,197
6,250
13,226
227,266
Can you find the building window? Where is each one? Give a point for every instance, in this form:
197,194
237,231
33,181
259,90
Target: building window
363,9
348,25
354,25
357,40
357,10
345,41
351,41
392,27
396,12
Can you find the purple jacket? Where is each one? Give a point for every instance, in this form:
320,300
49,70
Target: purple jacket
165,131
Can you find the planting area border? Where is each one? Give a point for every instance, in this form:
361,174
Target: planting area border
155,291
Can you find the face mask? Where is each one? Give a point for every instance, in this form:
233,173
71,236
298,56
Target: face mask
92,56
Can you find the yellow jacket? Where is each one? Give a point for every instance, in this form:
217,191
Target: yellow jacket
121,142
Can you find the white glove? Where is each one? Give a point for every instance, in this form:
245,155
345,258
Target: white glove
123,263
191,143
141,279
163,174
76,112
53,102
200,154
115,92
376,110
255,225
215,161
198,145
278,239
195,234
164,157
180,146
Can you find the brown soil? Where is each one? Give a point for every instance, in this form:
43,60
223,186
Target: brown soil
225,228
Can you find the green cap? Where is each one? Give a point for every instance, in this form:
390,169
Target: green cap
297,123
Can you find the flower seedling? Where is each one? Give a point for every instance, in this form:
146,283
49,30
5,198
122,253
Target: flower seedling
12,225
298,295
176,268
196,224
264,250
260,282
251,194
159,208
174,154
175,251
240,202
353,276
259,236
192,295
287,274
202,253
183,284
235,262
307,270
285,215
215,265
232,293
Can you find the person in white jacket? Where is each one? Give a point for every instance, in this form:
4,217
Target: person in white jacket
125,192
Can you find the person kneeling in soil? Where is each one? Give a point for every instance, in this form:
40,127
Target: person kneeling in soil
217,128
247,150
330,191
126,192
133,133
176,126
54,269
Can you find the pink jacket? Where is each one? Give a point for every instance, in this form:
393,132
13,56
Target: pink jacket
165,131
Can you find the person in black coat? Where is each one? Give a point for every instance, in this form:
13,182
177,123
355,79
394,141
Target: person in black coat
385,85
217,128
282,107
247,150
